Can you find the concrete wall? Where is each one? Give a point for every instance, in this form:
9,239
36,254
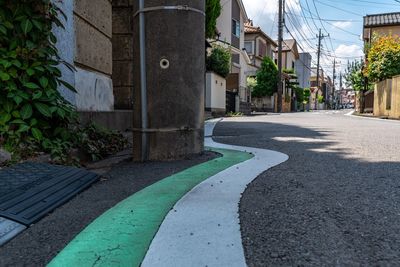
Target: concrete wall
266,103
381,96
387,98
65,46
94,92
215,93
395,107
93,55
122,41
86,43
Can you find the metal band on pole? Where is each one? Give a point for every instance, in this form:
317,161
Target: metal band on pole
165,130
179,8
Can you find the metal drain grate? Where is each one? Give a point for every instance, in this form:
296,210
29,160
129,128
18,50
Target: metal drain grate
32,190
8,230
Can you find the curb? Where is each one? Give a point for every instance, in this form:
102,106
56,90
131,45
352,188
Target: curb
122,235
203,229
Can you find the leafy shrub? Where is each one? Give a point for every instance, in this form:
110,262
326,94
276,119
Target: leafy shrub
234,114
299,94
213,10
34,117
31,108
383,58
267,79
98,142
321,99
219,61
307,94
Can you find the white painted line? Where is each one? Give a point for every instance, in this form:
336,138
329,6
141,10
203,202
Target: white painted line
377,119
203,228
350,113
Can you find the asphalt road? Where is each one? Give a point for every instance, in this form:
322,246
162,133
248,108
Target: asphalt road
37,245
336,202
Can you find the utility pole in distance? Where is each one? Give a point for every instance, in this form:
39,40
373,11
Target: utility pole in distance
280,41
334,79
320,37
340,89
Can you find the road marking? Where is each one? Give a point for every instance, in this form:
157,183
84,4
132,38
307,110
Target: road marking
122,235
203,229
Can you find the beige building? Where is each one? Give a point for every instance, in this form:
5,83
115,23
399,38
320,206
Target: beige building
290,54
230,26
258,45
316,89
381,24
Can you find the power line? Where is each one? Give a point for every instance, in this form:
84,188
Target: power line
338,8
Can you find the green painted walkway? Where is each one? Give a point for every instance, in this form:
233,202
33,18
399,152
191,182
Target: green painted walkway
122,235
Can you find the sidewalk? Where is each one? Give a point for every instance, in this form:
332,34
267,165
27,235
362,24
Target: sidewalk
189,218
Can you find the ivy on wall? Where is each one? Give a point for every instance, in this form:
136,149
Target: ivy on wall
32,111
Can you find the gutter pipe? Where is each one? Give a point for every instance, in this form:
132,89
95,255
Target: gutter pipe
143,81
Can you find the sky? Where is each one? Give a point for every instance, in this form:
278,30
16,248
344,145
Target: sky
341,19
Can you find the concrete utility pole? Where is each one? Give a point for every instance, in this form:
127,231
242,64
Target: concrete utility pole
334,79
340,89
168,117
320,37
280,41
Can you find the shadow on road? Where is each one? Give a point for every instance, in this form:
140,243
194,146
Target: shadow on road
330,204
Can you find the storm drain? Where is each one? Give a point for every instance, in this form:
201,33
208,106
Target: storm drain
29,191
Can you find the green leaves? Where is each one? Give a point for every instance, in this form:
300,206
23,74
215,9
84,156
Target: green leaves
26,26
219,61
37,134
26,112
4,76
31,85
31,108
44,82
68,86
267,79
43,109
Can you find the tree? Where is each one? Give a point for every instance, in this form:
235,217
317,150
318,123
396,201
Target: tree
299,94
307,94
354,76
383,58
267,79
213,11
219,61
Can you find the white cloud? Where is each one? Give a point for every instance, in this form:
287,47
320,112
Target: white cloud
349,51
256,9
342,24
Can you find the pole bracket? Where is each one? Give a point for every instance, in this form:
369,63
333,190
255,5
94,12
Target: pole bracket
165,130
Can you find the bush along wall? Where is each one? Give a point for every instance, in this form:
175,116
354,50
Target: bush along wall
32,111
33,115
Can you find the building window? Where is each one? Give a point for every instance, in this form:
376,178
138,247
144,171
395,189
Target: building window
293,65
236,28
262,49
249,47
